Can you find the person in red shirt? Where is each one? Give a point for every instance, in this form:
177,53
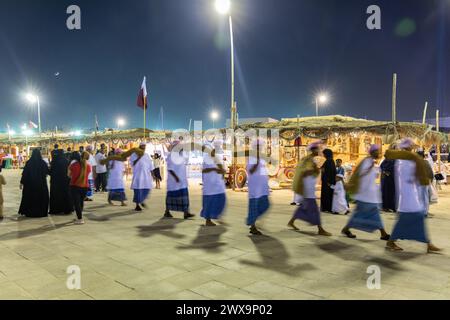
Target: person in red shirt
79,172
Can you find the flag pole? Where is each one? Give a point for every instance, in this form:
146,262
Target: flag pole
145,111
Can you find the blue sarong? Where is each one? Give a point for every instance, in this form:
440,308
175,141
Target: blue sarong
140,195
178,200
309,212
366,217
256,208
90,192
410,226
213,206
117,195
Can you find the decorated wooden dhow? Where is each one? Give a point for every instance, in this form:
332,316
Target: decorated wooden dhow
349,138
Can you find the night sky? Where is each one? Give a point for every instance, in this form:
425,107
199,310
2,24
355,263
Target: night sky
287,50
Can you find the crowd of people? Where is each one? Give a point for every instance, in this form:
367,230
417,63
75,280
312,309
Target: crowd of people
407,184
407,187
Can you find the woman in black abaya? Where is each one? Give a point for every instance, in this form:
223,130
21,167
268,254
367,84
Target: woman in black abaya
60,201
34,187
328,180
388,185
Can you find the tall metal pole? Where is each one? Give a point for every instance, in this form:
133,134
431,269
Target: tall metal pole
317,107
39,115
233,105
233,119
424,121
394,99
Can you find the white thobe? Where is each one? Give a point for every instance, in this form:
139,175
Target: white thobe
369,191
213,182
258,182
142,172
178,164
339,201
115,178
408,187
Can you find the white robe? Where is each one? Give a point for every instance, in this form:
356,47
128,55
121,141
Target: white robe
339,201
213,182
142,172
408,187
258,182
369,191
115,178
178,164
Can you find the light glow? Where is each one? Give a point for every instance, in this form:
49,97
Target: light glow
223,6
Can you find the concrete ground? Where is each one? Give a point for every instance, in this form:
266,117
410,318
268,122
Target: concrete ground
124,255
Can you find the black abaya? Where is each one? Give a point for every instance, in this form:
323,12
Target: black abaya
35,197
60,200
328,180
388,185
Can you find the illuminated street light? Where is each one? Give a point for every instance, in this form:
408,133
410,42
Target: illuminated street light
321,99
223,6
214,117
33,98
120,123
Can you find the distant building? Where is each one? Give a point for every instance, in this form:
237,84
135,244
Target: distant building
251,121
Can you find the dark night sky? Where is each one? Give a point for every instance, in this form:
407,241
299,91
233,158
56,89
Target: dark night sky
286,50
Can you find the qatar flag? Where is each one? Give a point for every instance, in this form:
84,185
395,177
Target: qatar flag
142,98
32,125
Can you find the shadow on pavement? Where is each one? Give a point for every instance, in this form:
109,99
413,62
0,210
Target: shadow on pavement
208,239
164,227
20,234
275,257
110,216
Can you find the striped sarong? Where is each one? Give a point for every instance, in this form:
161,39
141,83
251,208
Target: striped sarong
178,200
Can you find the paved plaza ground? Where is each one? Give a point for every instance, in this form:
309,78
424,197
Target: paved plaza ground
124,255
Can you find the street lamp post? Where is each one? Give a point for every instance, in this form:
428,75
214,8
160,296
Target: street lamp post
224,7
35,99
320,100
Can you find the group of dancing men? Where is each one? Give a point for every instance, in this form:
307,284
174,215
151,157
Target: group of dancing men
412,183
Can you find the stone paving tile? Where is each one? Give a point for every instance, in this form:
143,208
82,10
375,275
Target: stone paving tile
123,255
11,291
217,290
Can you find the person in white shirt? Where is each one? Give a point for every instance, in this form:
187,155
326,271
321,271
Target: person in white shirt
101,169
304,185
91,179
214,198
116,184
177,198
366,217
258,187
411,174
340,204
142,182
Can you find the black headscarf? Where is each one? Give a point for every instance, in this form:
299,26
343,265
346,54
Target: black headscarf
329,168
59,165
35,170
